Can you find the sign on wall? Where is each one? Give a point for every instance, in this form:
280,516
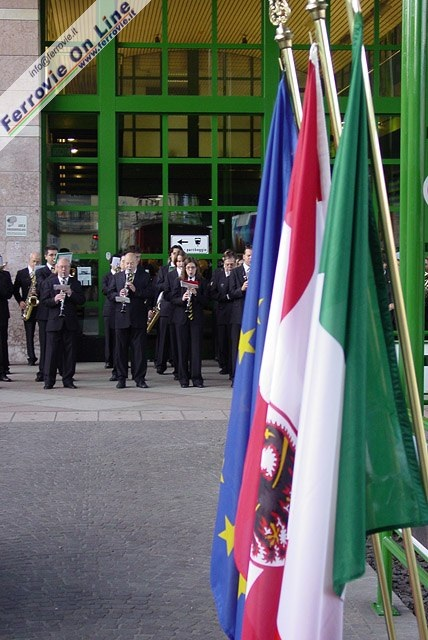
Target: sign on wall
192,244
16,225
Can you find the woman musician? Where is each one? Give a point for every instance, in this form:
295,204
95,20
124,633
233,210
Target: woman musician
189,297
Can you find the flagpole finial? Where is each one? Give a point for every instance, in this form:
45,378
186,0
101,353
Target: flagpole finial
317,8
279,12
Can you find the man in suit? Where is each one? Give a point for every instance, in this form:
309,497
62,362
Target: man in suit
219,292
25,284
131,319
108,315
6,292
237,291
163,340
50,253
62,325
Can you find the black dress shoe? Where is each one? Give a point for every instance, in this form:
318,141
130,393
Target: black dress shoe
198,384
121,384
31,361
4,378
69,385
160,371
108,365
185,385
40,377
48,386
142,384
113,378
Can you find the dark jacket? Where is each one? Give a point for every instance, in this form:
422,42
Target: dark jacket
70,321
219,292
199,301
21,287
238,278
6,292
135,314
41,275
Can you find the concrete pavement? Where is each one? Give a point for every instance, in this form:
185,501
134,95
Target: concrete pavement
108,503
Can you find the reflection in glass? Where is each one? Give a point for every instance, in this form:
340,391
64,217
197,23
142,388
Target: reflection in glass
140,181
239,73
389,136
139,135
76,230
69,183
392,178
73,135
142,229
139,72
239,136
189,72
197,224
190,184
342,67
390,74
238,184
189,136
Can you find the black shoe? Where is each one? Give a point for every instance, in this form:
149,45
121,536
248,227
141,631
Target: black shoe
48,386
142,385
198,384
113,378
4,378
175,376
108,365
31,361
224,371
40,377
69,385
160,370
184,385
121,384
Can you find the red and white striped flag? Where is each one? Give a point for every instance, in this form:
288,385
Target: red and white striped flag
261,525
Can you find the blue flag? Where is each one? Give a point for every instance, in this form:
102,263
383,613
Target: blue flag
228,590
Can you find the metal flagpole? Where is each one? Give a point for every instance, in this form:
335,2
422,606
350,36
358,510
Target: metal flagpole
279,13
353,6
317,9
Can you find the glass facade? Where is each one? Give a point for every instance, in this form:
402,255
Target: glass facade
163,133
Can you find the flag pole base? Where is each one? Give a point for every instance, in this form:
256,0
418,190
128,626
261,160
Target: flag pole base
380,611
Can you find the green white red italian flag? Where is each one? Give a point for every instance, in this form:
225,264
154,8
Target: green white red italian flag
356,470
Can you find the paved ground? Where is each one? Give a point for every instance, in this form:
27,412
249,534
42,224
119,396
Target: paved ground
108,503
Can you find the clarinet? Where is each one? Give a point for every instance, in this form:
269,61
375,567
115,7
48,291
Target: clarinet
62,303
129,279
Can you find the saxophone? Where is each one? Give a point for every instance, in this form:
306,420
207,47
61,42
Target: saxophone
31,300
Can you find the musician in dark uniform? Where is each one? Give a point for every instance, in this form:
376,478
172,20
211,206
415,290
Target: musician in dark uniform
219,292
163,340
50,254
188,318
25,283
108,316
6,292
237,291
131,319
62,325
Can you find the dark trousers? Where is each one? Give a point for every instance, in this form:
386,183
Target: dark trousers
133,339
224,347
189,352
42,342
30,328
4,346
109,341
60,351
162,343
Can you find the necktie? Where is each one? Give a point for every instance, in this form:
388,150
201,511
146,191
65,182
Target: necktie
190,308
